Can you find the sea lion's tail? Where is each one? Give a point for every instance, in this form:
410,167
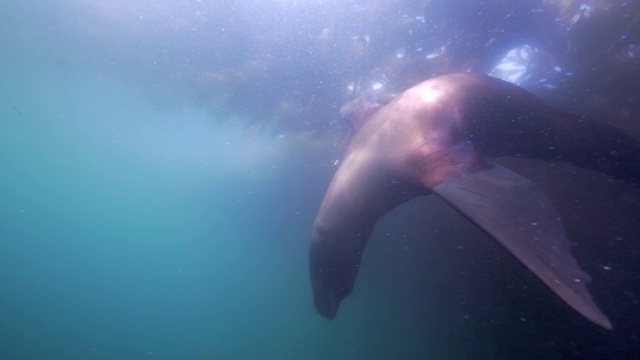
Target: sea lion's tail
527,127
597,146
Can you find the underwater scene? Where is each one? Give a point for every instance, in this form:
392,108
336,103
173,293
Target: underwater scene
319,179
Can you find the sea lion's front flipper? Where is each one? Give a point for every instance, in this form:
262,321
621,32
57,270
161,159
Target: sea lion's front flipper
516,212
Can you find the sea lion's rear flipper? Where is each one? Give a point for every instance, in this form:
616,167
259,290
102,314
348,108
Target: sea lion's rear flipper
519,216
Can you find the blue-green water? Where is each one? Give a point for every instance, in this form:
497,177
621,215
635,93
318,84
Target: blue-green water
131,230
128,229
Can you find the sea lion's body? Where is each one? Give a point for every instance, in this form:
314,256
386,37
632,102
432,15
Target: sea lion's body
436,137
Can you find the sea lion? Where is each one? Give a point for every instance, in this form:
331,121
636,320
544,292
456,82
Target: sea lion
437,137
